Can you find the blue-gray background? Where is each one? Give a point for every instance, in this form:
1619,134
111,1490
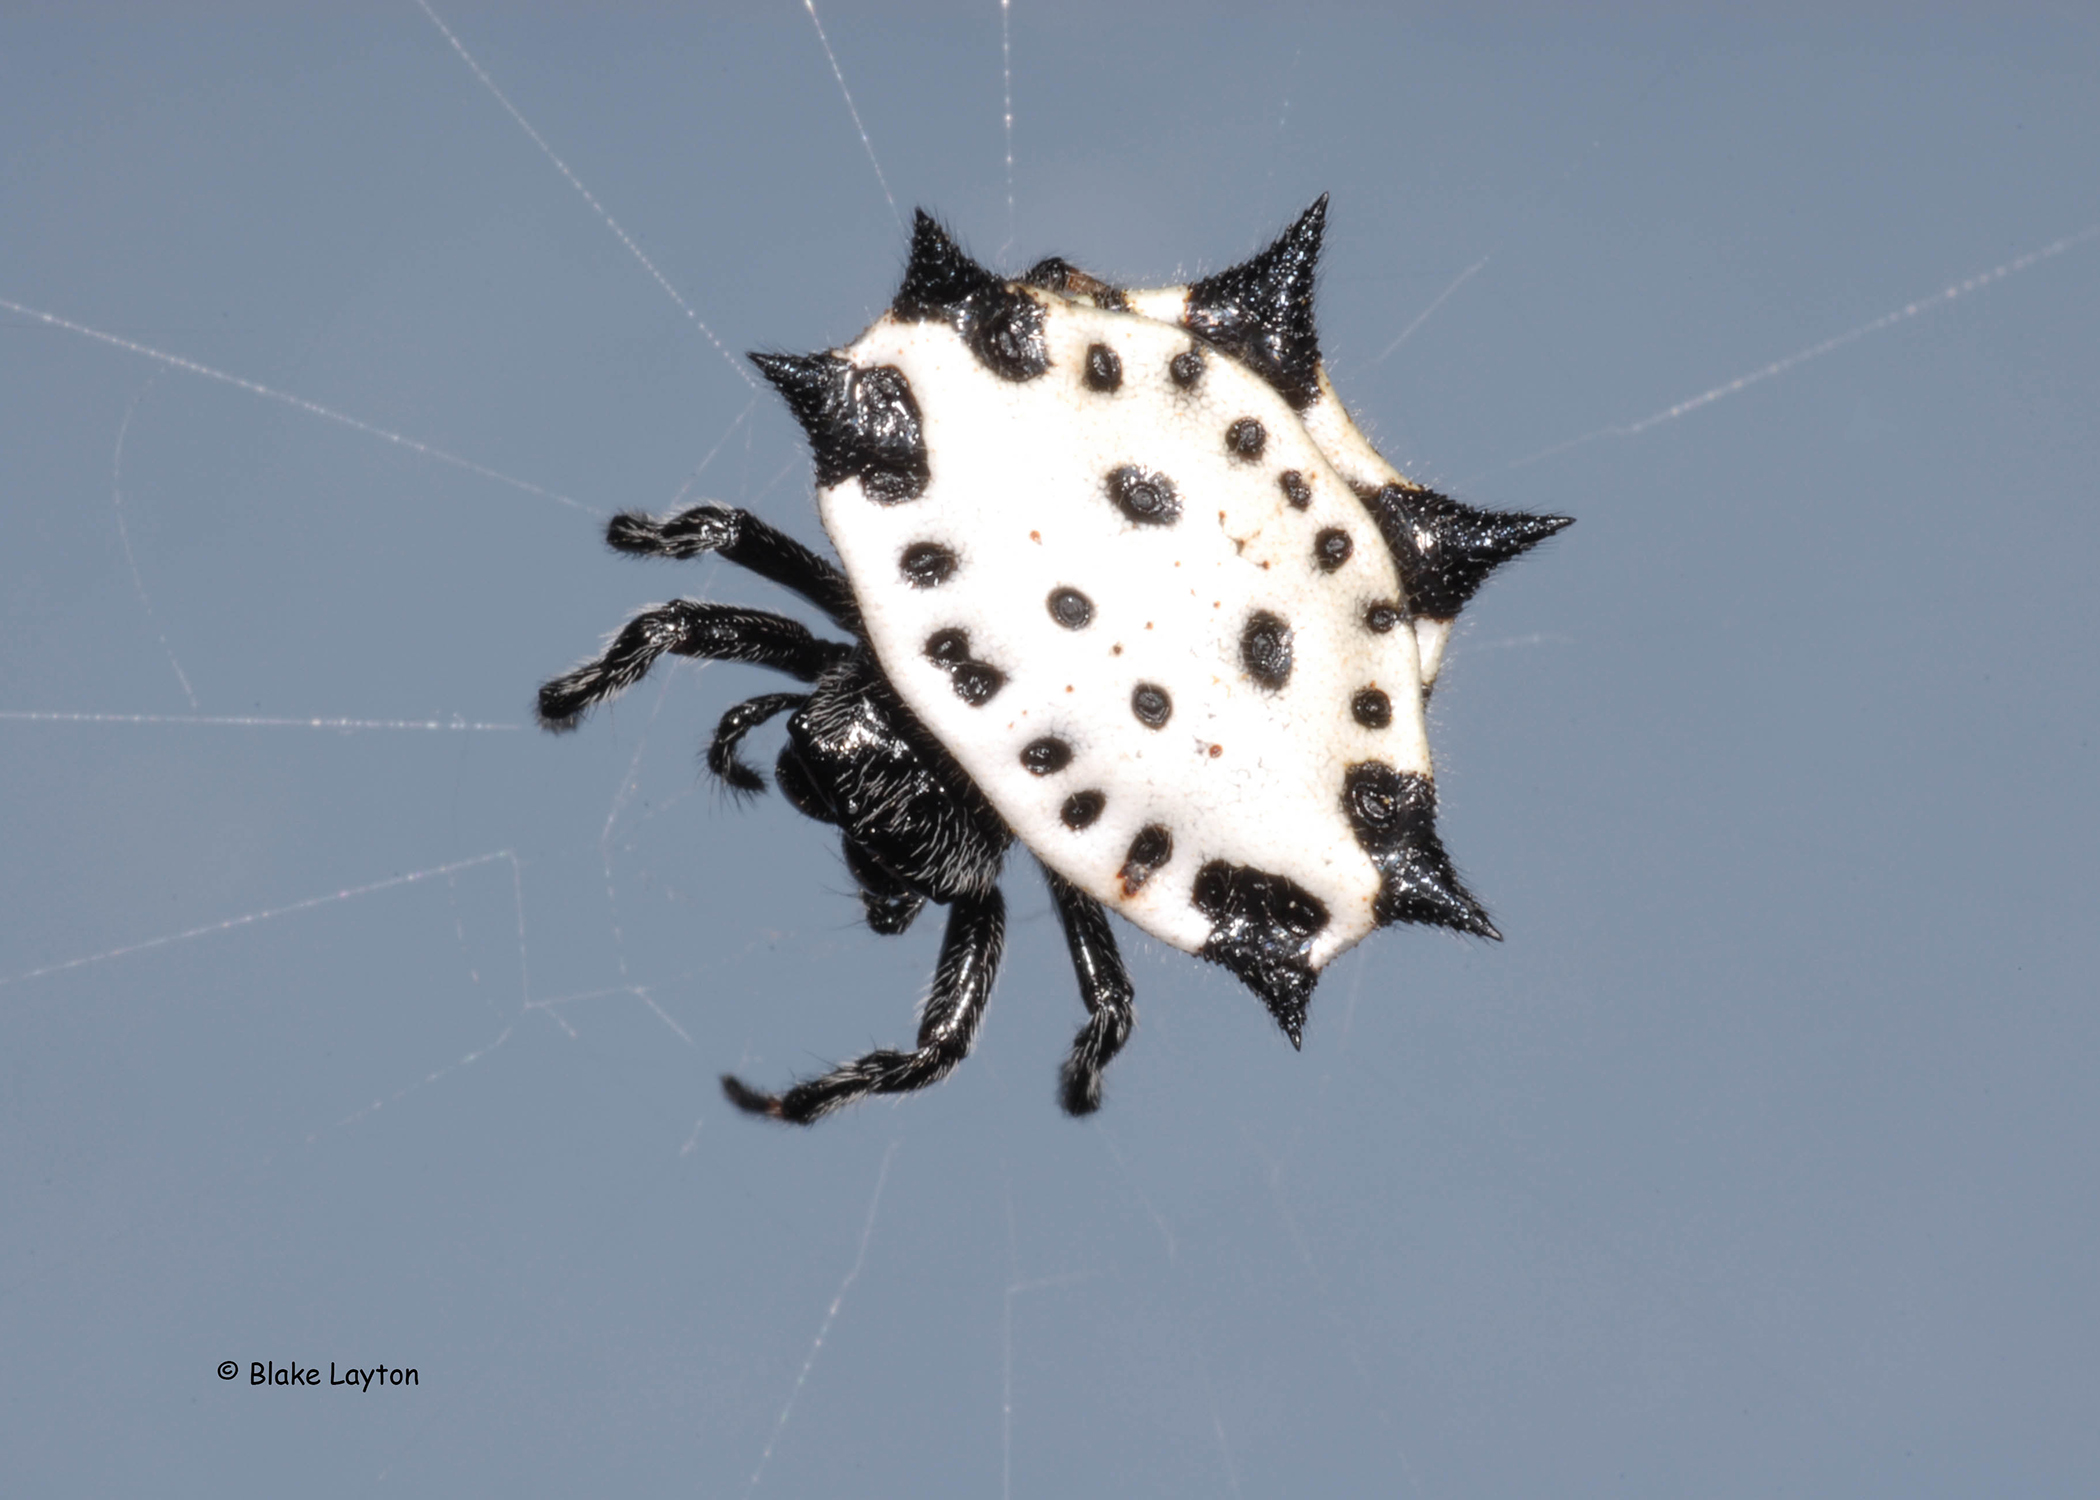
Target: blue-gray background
1760,1158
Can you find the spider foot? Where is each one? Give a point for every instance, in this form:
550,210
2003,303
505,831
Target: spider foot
880,1072
750,1100
704,528
1079,1081
962,981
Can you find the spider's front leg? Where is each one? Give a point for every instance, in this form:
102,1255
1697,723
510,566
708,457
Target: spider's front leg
962,982
745,540
729,736
686,627
1104,985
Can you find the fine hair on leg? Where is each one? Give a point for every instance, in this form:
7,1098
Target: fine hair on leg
686,627
1104,985
962,982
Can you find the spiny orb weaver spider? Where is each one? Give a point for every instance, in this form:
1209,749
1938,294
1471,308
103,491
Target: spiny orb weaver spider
1122,581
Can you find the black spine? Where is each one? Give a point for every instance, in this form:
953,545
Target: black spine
861,424
1261,311
1262,928
1446,550
1394,815
1002,325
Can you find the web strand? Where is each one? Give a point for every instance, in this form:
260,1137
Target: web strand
1016,1287
1831,345
722,442
254,721
467,1060
860,1256
211,929
1283,114
434,1076
847,94
1272,1174
138,579
629,784
299,403
1441,298
1006,77
604,214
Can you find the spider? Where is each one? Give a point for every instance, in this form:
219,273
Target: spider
1121,581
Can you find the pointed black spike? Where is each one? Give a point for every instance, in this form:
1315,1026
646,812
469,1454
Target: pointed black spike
1446,550
861,423
1002,325
1261,311
940,280
1394,815
814,385
1262,928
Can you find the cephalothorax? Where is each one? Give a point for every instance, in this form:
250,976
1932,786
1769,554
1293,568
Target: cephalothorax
1123,582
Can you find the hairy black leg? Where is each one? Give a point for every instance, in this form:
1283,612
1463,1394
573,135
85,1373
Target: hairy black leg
891,905
746,541
961,983
1105,987
729,735
686,627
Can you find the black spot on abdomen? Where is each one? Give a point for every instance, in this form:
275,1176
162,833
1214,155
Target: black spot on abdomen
927,565
1331,548
1265,649
1046,756
1082,808
1071,609
975,682
1245,439
1149,701
1104,368
1152,848
1145,496
1005,332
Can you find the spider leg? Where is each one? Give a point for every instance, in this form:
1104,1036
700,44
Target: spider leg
686,627
962,981
746,541
891,905
729,736
1105,987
